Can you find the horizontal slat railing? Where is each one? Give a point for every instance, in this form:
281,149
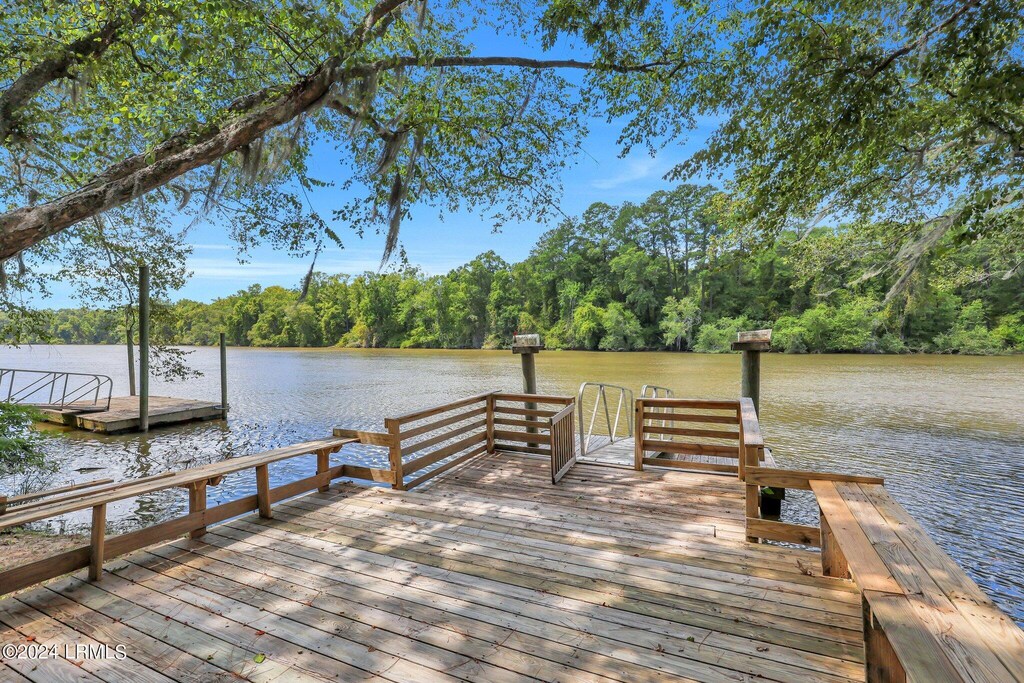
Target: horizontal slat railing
432,436
195,481
755,476
530,417
433,440
688,427
801,479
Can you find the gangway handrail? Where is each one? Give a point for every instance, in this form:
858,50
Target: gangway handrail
53,384
602,398
655,391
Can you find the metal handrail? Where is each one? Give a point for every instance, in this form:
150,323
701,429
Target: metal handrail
602,399
655,391
53,386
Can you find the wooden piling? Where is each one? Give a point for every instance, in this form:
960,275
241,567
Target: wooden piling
144,348
223,376
526,346
750,376
751,345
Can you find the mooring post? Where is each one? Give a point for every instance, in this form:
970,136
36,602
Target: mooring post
751,344
144,348
223,377
750,376
527,346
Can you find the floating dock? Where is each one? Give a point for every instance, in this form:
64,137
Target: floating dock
123,414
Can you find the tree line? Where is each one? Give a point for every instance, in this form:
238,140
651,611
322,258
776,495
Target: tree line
671,272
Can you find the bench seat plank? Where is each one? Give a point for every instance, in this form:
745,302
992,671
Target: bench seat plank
919,654
1003,636
866,566
956,634
157,483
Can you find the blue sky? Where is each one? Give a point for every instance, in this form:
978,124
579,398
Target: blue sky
436,246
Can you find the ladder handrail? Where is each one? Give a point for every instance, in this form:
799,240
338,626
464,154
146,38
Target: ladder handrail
658,392
55,384
602,399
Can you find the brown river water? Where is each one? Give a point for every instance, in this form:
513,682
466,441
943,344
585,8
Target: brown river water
946,432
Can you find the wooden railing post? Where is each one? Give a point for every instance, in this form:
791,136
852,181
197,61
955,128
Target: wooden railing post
881,663
490,424
99,535
197,503
395,452
753,494
263,491
741,455
323,463
638,435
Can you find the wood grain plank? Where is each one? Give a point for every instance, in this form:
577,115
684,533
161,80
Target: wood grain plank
866,565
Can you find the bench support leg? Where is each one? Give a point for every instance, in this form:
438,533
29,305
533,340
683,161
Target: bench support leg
197,503
99,534
323,463
833,562
263,491
880,661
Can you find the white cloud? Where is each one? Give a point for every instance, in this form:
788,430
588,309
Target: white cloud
213,247
644,168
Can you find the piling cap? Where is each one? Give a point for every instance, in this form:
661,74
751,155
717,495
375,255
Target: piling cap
753,340
526,343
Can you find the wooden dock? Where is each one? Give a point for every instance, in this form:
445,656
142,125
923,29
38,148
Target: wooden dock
123,414
487,574
487,562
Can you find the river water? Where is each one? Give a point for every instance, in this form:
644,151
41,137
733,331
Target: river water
946,432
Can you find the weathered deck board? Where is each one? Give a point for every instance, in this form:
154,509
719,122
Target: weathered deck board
123,414
489,573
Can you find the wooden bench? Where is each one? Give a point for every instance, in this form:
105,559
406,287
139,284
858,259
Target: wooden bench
924,618
196,480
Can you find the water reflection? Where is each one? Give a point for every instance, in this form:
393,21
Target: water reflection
946,432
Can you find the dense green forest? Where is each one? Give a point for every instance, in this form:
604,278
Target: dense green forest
667,273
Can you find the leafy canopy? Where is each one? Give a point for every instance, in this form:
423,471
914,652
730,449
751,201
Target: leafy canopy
906,117
216,106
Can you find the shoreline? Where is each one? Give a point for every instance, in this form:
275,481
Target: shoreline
21,546
773,352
